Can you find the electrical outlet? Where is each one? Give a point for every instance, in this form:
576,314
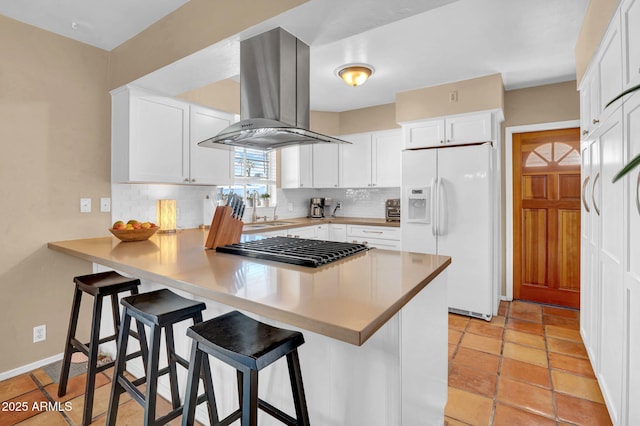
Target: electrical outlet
105,205
453,96
85,205
290,207
39,333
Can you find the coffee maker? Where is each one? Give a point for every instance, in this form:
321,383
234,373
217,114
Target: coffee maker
316,208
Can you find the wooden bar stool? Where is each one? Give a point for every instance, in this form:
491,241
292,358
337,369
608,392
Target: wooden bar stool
249,346
99,286
158,310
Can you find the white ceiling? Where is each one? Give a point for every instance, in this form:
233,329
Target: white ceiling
411,43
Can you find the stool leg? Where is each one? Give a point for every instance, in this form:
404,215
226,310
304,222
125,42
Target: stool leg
191,393
208,390
152,377
171,363
69,349
115,313
299,400
92,363
142,338
249,398
121,358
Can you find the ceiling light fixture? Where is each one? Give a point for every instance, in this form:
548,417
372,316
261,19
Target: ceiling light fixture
355,74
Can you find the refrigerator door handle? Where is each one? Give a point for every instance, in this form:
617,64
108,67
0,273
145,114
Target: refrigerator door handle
440,232
432,202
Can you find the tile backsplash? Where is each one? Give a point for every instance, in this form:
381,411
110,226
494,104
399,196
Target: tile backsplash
196,204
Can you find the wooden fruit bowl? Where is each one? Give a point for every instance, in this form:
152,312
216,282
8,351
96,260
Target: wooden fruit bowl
134,234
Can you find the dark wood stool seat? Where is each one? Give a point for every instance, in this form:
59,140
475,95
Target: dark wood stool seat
99,285
249,346
158,310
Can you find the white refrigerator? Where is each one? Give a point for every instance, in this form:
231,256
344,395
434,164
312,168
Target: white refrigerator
447,208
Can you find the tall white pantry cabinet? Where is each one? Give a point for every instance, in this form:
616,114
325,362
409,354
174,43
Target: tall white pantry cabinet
610,231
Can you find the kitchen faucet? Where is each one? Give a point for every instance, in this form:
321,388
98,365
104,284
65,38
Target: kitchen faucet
254,215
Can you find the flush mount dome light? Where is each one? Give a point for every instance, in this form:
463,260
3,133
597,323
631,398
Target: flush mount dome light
355,74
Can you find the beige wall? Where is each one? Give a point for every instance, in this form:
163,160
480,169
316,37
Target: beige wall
542,104
381,117
476,94
194,26
596,20
55,118
55,133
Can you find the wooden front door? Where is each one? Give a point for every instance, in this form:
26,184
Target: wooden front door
546,198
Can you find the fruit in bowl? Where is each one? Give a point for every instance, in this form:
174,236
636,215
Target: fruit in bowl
133,230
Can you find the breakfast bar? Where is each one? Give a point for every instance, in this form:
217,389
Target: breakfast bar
375,323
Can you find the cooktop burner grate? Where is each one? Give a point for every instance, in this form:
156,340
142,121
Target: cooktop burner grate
296,251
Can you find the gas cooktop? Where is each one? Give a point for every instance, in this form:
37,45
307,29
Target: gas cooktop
296,251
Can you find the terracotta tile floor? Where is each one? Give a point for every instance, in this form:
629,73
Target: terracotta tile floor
527,366
37,386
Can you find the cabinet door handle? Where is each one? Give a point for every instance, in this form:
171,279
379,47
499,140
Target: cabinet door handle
584,193
186,179
595,121
441,141
371,232
585,132
638,193
593,193
193,180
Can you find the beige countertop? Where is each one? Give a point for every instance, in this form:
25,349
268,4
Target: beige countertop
305,221
347,300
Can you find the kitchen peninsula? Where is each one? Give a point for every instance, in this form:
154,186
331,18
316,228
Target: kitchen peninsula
375,323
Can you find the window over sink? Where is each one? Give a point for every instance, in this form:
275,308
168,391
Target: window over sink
254,175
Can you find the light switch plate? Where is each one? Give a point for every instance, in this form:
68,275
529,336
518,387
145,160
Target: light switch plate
105,204
85,205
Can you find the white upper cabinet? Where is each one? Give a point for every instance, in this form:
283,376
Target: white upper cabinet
154,140
455,130
630,14
387,158
209,166
150,136
355,167
424,134
296,167
325,165
609,65
373,159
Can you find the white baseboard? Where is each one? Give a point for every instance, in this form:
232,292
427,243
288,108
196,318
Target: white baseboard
29,367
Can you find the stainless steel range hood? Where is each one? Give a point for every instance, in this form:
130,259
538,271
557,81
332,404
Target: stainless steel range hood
274,96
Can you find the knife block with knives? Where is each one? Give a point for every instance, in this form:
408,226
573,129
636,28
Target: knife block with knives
226,226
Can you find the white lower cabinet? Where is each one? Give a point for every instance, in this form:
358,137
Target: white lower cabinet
631,298
279,233
610,284
314,232
337,232
383,237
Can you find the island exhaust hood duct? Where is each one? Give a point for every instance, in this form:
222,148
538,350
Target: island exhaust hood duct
274,96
